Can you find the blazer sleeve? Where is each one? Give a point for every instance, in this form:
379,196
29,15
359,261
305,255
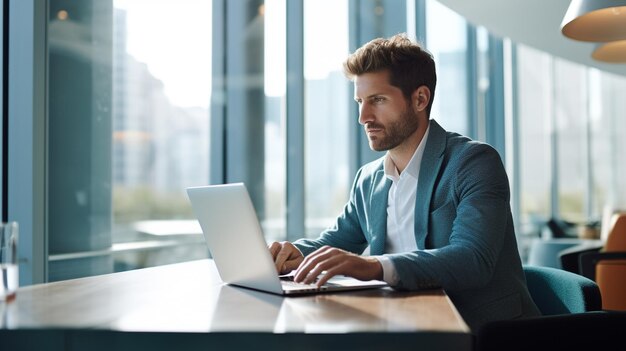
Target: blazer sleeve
346,233
478,208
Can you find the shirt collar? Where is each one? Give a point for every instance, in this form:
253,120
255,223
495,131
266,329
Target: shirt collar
412,168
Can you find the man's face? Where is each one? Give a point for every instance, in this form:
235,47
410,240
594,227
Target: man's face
384,112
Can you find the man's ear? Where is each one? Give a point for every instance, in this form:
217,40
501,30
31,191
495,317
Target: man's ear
420,98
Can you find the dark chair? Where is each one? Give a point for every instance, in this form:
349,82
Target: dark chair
560,229
608,270
569,304
598,330
570,257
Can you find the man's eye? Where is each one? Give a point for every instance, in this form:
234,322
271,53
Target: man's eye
379,99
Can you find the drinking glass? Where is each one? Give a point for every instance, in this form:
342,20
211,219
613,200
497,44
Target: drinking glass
9,279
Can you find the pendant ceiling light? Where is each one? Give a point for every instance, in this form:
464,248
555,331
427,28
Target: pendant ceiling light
614,52
595,20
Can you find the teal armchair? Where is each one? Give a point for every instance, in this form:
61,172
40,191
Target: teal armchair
556,291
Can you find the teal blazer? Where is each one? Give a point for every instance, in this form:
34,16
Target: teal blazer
463,229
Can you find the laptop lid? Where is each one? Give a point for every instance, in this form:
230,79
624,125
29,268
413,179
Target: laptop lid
235,238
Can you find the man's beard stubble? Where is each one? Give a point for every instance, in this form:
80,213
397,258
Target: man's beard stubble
396,132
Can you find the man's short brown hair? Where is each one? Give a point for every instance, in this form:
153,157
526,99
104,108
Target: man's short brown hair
409,65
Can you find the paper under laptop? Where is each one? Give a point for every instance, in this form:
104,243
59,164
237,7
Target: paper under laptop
234,237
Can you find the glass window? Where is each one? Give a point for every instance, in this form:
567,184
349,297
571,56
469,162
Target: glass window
570,120
616,108
599,88
446,38
128,131
483,86
607,126
571,115
273,217
534,85
160,121
327,96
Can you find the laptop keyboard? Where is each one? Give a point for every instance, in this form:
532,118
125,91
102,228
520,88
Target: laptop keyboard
288,283
291,283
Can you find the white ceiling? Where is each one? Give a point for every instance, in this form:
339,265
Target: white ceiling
536,23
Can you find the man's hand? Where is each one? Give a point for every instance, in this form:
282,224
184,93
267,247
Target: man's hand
336,261
286,256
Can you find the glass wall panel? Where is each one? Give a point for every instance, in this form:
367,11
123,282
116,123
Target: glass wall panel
571,117
327,95
535,114
273,220
80,123
600,133
617,106
572,113
160,125
446,38
482,82
607,107
128,131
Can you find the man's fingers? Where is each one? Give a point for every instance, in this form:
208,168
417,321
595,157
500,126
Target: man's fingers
290,265
327,259
329,274
312,259
280,259
319,261
286,257
274,249
332,262
306,266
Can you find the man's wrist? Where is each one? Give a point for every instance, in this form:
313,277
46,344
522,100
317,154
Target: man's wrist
377,268
389,270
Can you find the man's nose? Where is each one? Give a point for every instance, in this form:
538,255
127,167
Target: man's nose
365,114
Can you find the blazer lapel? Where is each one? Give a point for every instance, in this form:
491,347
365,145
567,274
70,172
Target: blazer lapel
429,169
378,218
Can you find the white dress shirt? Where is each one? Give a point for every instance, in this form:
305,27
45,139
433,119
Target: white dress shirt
401,209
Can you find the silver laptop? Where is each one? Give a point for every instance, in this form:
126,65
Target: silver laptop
234,237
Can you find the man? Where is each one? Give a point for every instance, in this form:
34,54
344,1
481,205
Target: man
434,210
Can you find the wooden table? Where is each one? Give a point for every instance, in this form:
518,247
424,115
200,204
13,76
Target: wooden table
186,304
